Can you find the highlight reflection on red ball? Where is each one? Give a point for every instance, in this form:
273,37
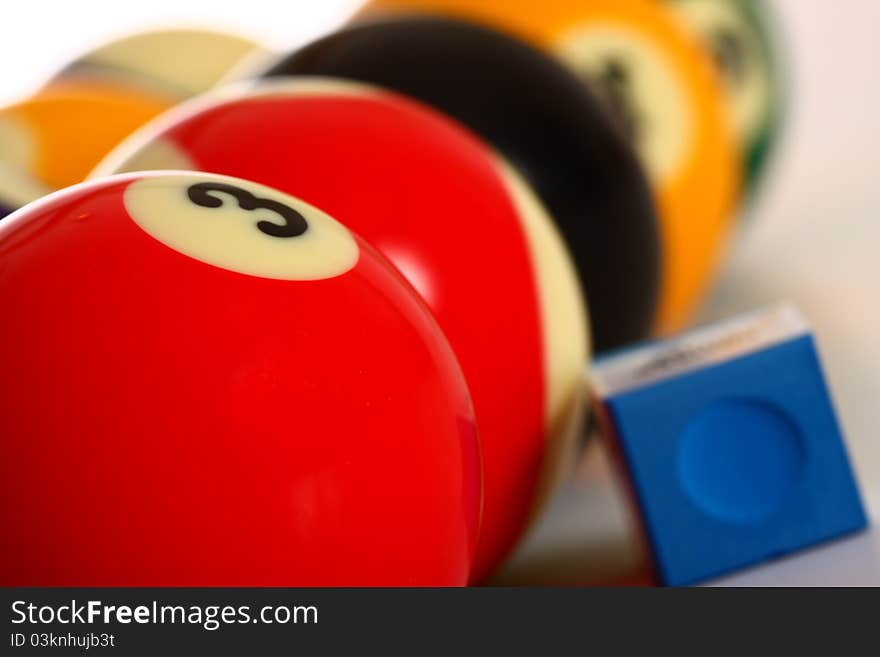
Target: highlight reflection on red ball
209,382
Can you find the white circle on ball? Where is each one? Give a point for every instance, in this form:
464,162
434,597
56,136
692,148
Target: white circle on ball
663,117
241,226
750,93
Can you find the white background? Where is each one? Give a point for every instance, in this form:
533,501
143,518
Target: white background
40,36
814,237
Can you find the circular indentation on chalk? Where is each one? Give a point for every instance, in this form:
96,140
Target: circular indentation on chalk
739,459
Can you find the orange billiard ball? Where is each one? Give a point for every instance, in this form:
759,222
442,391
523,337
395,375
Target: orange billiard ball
59,135
668,98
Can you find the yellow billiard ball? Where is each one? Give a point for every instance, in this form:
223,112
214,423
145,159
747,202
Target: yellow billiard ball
60,134
667,95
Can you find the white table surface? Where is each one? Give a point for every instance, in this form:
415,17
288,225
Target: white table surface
813,238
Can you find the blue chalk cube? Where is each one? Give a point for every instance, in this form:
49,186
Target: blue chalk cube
731,445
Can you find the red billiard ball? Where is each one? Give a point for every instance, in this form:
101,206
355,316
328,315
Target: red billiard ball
209,382
468,234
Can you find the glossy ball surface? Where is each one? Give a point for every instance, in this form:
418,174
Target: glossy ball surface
58,136
171,64
667,98
739,36
212,383
545,123
455,220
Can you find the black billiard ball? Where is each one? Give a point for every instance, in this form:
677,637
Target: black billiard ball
538,115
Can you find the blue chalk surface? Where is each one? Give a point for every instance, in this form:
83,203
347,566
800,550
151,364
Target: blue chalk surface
732,446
